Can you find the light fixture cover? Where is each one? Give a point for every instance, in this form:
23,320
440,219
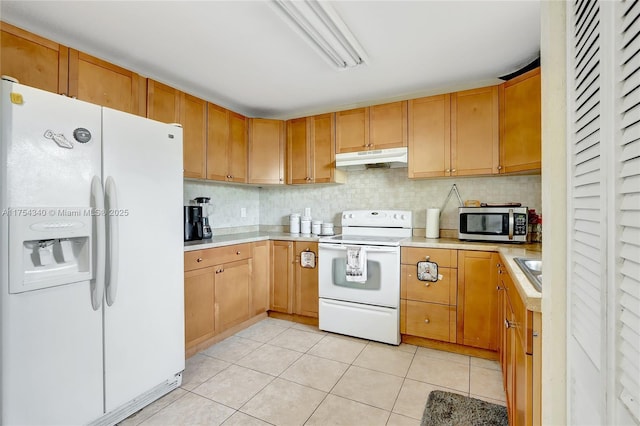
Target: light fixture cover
323,28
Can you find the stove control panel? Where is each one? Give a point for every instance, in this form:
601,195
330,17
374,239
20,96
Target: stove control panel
377,218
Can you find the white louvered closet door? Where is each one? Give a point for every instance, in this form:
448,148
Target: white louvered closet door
603,336
627,346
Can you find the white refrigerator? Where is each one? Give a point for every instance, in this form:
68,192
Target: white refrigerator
91,260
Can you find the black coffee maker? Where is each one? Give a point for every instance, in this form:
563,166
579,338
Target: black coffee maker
193,223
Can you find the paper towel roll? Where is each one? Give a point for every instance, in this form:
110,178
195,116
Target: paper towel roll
433,223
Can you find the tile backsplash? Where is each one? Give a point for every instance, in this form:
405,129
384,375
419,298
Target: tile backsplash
367,189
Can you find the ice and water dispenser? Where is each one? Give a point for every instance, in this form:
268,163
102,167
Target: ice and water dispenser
49,247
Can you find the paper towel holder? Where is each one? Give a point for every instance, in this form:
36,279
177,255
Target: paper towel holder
453,189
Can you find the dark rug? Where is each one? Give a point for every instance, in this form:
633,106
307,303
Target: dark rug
450,409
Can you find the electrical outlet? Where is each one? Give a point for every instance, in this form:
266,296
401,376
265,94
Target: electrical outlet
243,212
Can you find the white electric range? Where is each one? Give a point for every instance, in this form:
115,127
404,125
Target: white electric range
359,275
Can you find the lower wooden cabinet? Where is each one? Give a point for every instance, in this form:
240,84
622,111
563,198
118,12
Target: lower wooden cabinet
282,277
428,309
232,289
431,320
199,310
260,277
477,299
220,291
306,282
520,354
294,289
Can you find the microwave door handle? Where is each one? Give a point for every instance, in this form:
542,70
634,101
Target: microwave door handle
511,222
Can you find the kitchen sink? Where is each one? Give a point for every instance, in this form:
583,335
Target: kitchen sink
532,268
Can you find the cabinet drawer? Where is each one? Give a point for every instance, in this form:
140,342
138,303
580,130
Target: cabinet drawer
442,291
443,257
203,258
431,320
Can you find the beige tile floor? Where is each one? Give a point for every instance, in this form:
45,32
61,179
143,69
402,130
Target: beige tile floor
283,373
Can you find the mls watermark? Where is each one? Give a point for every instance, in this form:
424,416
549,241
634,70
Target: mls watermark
63,212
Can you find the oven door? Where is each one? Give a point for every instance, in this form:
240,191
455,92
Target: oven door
382,287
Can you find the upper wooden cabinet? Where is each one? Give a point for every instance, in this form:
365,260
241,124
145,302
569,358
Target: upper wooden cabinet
474,132
194,140
266,151
33,60
352,130
388,125
226,145
520,123
429,136
311,150
163,102
169,105
100,82
376,127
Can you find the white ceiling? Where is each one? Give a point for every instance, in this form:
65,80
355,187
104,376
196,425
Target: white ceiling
242,55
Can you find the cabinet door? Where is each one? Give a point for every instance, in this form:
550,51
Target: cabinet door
232,289
352,130
306,284
237,148
323,151
266,151
99,82
194,127
163,103
509,359
520,128
474,132
429,136
217,142
282,276
199,320
298,151
260,278
388,125
477,299
33,60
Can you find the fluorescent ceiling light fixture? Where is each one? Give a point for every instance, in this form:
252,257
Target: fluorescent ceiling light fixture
320,25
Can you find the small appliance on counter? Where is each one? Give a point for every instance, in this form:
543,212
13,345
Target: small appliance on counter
505,222
205,205
193,223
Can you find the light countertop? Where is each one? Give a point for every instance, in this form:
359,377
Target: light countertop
532,298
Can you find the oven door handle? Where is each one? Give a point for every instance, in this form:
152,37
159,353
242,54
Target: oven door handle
343,247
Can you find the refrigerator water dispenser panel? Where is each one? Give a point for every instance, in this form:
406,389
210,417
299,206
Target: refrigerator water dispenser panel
50,248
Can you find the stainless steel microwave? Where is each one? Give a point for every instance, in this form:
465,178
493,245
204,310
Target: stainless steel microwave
508,224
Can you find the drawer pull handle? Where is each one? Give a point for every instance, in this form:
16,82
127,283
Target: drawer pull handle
199,260
508,324
427,284
427,258
427,321
238,252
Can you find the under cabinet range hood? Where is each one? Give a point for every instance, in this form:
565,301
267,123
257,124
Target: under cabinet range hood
375,158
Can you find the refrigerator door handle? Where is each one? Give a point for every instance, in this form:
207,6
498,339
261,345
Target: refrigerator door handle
97,288
111,281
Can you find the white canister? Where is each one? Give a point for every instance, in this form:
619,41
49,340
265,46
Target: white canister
305,225
316,227
294,223
433,223
327,228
